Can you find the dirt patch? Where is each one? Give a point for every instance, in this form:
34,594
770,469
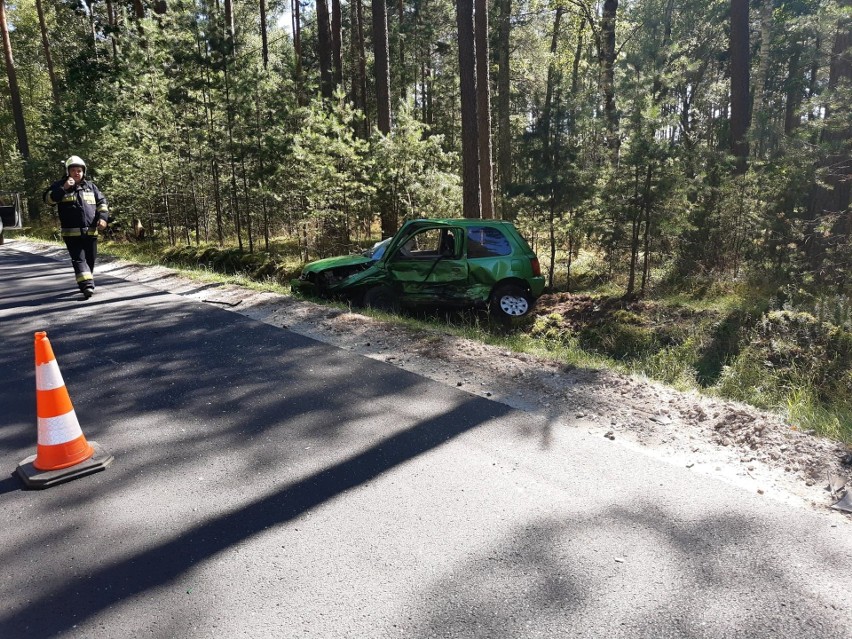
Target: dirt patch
581,310
756,450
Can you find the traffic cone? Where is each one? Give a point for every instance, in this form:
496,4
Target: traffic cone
62,453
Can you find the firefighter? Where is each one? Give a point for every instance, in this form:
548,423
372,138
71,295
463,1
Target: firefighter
83,211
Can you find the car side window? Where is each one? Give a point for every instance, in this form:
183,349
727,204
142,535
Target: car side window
424,245
484,241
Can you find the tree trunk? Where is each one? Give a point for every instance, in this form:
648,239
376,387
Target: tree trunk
264,43
550,146
608,22
192,186
739,46
230,50
551,227
793,96
324,46
14,91
383,109
763,67
483,109
246,199
212,139
382,64
336,42
646,240
45,41
426,84
113,25
359,65
830,198
469,118
94,31
551,79
403,76
504,128
760,115
297,48
659,89
635,218
260,184
575,70
229,27
570,262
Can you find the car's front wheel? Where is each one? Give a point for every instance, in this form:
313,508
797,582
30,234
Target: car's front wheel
510,302
381,298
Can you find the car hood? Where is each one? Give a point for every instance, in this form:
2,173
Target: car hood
335,262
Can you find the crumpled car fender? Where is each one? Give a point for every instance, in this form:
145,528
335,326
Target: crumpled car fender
359,282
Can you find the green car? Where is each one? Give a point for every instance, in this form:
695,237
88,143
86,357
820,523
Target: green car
453,262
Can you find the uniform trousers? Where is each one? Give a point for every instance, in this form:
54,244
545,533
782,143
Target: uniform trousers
83,250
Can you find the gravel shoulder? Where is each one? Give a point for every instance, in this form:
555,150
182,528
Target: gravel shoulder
757,451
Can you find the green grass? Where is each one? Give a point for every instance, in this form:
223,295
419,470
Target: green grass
140,253
807,413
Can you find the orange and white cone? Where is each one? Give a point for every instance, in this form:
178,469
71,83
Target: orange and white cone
60,439
62,452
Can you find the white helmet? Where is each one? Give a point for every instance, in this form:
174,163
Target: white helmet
75,160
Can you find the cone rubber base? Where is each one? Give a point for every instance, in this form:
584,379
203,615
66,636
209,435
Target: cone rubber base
35,478
845,504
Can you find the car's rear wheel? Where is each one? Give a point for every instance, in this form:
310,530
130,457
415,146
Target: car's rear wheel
510,302
381,298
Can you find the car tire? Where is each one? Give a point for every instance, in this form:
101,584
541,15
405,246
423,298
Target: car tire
381,298
510,302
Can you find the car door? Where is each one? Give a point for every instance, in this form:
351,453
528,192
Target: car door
429,267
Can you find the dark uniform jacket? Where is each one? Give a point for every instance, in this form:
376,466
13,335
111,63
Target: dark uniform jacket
80,208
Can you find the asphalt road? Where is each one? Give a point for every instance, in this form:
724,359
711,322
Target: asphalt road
267,485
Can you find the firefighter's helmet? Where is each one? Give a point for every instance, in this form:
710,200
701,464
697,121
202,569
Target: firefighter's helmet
75,160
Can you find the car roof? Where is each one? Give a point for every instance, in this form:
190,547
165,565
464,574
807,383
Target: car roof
461,221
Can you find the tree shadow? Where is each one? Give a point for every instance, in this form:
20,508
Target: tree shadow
724,347
722,575
75,601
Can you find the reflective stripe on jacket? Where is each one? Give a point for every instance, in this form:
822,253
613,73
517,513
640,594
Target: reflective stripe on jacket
81,231
80,208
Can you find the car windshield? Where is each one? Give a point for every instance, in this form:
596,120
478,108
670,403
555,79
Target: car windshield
375,253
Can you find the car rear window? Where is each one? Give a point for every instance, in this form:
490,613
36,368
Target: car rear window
485,241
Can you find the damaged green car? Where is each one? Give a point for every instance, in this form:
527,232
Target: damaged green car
450,262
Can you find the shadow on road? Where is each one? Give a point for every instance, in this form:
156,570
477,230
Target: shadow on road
160,565
677,581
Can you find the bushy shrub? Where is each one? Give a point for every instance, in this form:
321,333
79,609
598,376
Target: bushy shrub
627,317
621,341
255,266
791,358
549,327
723,342
674,365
